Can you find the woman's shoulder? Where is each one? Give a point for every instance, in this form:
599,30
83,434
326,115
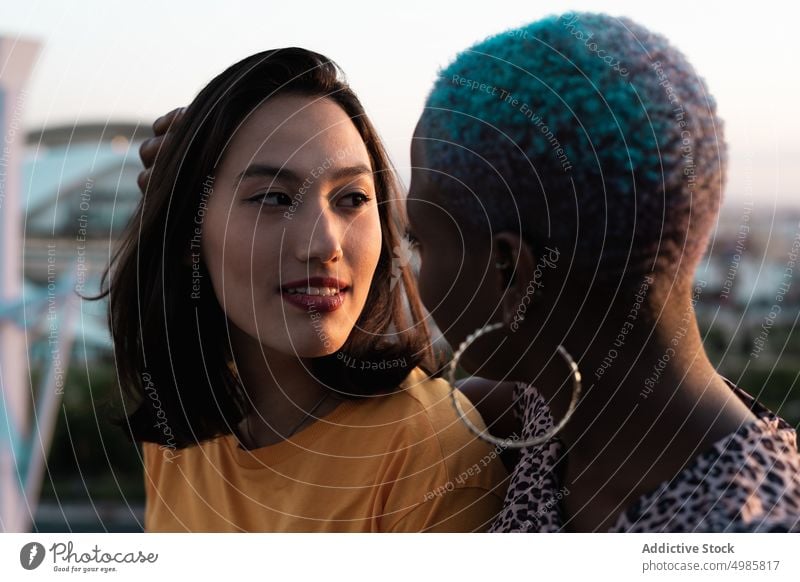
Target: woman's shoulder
436,432
749,481
426,407
159,459
426,399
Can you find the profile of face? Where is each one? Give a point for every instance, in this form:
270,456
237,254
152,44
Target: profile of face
291,236
458,281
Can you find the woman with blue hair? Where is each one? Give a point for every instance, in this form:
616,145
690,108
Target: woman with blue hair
566,178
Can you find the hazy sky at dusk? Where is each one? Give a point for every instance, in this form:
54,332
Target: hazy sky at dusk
134,60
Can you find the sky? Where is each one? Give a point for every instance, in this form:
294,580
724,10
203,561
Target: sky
132,61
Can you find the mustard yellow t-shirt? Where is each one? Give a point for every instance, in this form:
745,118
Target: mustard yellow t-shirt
396,463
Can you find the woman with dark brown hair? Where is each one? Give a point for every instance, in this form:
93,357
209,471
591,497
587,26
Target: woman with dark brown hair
272,347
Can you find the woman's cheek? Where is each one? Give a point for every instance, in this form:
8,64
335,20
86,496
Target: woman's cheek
239,256
364,242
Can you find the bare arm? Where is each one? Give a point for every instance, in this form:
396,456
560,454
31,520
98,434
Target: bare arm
495,403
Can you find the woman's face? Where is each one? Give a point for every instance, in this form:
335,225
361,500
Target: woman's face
458,281
292,235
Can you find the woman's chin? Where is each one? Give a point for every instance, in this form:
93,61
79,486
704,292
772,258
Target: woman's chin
314,347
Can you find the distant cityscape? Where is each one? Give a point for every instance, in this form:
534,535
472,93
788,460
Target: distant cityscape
750,302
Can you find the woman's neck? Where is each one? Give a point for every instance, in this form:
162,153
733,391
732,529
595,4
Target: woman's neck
651,402
284,394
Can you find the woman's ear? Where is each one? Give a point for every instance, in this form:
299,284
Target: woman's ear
515,267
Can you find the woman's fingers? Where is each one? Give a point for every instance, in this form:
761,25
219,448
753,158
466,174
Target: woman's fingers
150,147
163,123
143,179
148,152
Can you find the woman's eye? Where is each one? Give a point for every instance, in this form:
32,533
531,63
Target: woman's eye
272,199
354,199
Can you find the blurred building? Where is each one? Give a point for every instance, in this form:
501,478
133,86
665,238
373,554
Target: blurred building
79,191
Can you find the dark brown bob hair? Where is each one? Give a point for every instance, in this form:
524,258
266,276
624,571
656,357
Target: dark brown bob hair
172,352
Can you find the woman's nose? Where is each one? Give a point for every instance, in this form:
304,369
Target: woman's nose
321,239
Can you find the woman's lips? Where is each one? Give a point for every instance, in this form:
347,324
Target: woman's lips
319,303
323,294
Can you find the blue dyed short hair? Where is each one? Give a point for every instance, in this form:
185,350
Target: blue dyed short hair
582,131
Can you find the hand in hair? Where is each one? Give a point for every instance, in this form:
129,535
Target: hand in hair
148,152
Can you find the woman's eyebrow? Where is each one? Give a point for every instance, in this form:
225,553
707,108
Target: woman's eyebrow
356,171
316,173
265,171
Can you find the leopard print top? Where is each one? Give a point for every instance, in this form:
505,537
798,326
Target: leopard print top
747,482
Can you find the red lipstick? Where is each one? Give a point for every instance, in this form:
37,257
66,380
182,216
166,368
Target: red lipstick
323,294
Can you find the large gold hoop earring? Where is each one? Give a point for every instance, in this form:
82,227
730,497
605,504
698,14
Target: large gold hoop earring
511,443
